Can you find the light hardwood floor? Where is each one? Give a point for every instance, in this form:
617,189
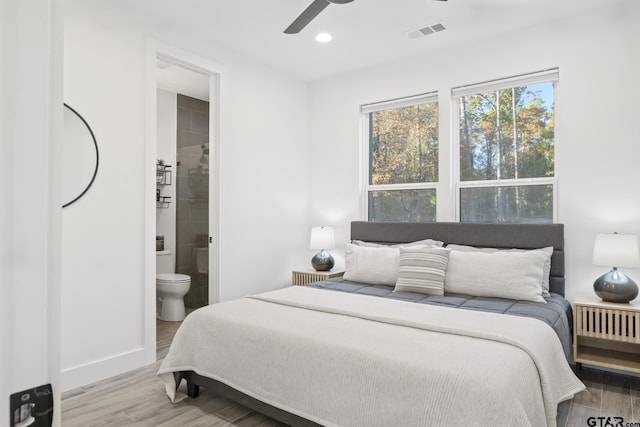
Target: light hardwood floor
138,399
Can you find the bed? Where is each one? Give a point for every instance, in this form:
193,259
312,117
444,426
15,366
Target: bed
345,352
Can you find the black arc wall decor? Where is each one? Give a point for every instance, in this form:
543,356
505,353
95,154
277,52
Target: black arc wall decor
80,157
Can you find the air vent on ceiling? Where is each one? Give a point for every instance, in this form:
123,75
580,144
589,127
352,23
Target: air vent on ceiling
435,28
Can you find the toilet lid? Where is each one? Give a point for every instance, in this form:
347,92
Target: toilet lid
172,278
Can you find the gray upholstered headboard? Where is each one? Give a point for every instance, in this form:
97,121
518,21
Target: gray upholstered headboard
523,236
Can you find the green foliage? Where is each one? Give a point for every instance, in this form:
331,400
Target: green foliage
517,204
404,145
506,134
403,149
403,205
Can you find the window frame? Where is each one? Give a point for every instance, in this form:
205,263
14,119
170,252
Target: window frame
546,76
365,111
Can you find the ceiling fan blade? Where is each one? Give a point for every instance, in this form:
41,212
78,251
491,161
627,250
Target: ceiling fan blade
306,16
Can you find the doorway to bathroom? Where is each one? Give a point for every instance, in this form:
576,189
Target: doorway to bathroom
186,196
182,193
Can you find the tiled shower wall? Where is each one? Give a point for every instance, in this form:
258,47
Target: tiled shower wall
192,194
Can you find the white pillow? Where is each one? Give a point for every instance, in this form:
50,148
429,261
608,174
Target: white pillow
502,274
425,242
377,266
547,264
422,270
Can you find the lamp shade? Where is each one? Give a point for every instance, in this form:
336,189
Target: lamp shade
322,238
616,250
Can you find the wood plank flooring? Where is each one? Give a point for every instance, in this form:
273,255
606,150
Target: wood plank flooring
138,399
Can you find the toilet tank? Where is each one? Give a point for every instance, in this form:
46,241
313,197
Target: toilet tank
164,262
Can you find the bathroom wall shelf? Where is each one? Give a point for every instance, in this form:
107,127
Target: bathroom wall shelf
163,202
163,177
163,174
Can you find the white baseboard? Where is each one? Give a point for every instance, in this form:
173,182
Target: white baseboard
98,370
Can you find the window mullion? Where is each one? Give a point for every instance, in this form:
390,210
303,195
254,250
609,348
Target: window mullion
520,182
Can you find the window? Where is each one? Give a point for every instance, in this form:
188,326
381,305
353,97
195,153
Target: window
402,156
503,154
506,150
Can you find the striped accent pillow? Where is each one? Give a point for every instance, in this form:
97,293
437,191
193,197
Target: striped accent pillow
422,270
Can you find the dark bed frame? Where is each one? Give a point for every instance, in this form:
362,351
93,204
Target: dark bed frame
523,236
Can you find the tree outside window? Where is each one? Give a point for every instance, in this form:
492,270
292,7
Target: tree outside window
503,158
507,154
403,160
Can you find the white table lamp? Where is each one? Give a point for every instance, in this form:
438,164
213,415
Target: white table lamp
616,250
322,238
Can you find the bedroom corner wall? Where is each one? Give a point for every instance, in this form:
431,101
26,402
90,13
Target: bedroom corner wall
597,125
263,195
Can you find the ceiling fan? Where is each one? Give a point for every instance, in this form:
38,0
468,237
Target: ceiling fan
311,12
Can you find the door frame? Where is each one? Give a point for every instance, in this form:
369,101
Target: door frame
155,50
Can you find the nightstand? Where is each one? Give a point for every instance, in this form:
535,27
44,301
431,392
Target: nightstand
302,277
606,334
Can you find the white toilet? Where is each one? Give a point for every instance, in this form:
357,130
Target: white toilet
170,289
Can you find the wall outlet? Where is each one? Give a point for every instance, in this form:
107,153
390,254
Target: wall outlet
33,407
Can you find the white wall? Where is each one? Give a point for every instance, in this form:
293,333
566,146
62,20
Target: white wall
263,184
166,150
597,124
30,136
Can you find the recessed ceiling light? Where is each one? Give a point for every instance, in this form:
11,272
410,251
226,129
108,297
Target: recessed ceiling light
323,37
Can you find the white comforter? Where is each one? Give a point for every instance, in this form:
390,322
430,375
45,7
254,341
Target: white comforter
354,360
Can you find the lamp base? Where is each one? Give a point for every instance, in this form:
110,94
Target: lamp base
615,287
322,261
